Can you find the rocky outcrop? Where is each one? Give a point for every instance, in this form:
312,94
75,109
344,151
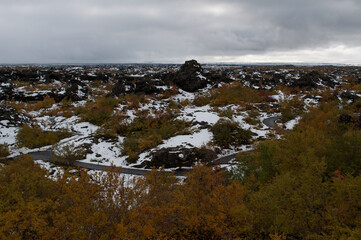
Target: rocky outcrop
344,118
312,80
10,117
190,77
179,157
7,92
77,91
137,85
347,119
349,96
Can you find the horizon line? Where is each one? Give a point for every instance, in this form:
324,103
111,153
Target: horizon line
178,63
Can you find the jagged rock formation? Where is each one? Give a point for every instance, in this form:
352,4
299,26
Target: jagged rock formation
312,80
77,91
12,117
137,85
349,96
179,157
190,77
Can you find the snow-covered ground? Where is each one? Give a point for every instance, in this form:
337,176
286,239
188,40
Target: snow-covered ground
110,152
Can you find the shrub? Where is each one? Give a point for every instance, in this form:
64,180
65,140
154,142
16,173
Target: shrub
115,126
252,117
4,150
67,155
233,93
227,112
99,112
46,103
146,132
35,137
226,133
291,109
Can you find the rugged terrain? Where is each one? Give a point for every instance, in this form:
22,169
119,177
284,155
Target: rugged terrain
144,116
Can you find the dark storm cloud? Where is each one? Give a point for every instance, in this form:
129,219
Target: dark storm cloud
174,30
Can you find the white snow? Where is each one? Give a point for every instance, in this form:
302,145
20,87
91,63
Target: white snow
291,124
195,140
106,152
8,134
199,114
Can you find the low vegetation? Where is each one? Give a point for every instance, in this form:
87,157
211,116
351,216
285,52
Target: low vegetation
98,112
233,93
306,184
227,133
4,150
290,109
35,137
146,132
67,155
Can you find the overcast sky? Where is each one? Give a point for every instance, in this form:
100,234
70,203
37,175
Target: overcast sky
172,31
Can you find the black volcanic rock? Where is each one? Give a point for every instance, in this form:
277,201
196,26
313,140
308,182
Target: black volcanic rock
349,96
77,91
344,118
6,91
12,117
309,80
218,77
189,77
179,157
26,75
57,94
119,88
355,120
312,79
137,85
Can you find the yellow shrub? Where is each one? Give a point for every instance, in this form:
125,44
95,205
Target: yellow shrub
34,137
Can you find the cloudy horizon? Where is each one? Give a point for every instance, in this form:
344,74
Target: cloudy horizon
170,31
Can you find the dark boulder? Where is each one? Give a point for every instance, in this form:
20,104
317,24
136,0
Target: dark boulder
216,77
145,86
77,91
6,92
137,85
354,120
312,80
179,157
344,118
309,80
26,75
57,94
12,117
349,96
190,77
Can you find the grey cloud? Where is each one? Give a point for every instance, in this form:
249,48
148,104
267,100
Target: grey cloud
171,30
